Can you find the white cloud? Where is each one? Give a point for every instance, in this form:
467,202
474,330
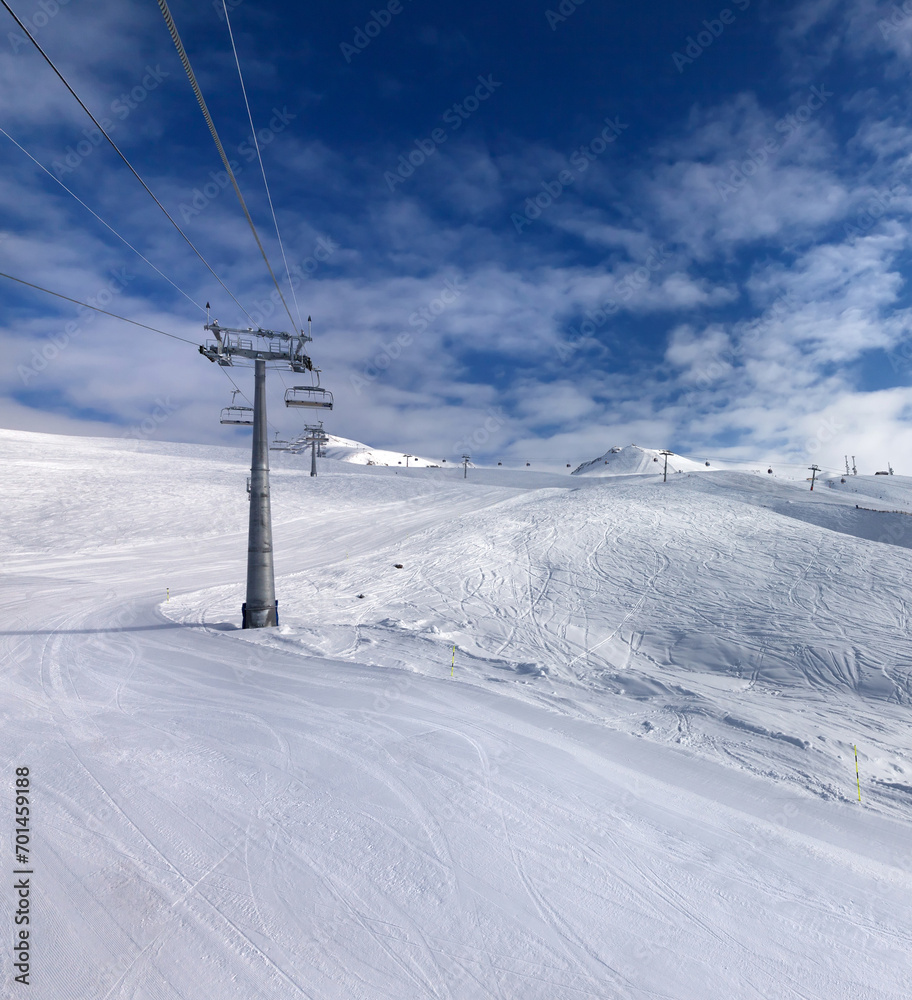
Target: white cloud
712,203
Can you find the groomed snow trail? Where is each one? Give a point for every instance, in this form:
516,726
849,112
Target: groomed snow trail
635,784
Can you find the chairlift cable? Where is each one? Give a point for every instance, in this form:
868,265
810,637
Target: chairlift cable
236,386
116,148
179,45
125,320
105,311
256,144
101,220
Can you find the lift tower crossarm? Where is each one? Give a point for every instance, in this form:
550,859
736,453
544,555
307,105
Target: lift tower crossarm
256,343
217,328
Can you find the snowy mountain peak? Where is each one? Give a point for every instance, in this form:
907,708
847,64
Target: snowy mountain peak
632,460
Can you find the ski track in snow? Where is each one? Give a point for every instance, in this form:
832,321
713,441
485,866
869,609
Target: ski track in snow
638,783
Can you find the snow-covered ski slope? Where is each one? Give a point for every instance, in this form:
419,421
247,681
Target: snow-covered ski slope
634,779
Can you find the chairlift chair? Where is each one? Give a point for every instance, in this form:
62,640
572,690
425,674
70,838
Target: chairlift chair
309,395
236,414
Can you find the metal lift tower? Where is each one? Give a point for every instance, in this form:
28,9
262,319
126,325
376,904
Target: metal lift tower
315,436
232,347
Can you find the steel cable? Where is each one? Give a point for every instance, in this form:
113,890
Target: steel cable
256,145
116,149
86,305
191,76
102,221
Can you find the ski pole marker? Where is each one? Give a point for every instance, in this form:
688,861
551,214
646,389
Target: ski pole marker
857,777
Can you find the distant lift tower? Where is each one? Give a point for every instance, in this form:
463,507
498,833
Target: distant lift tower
666,453
254,348
316,437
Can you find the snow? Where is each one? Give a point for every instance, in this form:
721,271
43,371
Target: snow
344,450
635,777
632,460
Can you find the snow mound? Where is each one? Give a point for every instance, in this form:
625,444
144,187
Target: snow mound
633,460
343,450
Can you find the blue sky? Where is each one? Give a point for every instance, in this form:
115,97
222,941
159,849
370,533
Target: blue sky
527,231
